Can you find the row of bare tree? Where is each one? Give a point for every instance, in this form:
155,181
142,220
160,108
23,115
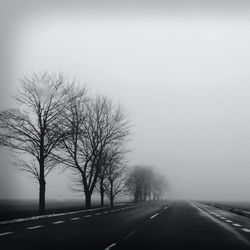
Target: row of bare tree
58,123
143,183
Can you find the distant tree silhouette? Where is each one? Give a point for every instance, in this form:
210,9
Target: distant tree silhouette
143,183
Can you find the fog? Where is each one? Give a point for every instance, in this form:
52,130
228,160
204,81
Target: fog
180,68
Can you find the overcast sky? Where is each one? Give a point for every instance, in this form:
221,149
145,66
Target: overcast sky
180,68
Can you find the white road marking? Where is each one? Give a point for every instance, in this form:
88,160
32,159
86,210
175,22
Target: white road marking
153,216
76,218
223,218
6,233
106,212
236,225
224,225
165,207
245,230
97,214
46,216
89,215
112,245
35,227
58,222
228,220
130,234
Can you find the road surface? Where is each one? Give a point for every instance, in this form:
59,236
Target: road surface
151,225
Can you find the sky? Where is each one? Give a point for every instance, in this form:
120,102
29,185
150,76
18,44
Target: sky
179,68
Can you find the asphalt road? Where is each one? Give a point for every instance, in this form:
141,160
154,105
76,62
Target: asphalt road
156,225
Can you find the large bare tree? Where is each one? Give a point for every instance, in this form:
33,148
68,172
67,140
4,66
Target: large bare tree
92,124
34,129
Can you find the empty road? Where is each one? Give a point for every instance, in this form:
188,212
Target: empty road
155,225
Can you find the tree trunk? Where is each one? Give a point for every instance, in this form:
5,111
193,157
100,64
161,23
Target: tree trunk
111,201
87,199
111,195
102,198
42,184
102,193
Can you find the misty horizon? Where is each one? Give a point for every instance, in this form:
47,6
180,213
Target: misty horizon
179,69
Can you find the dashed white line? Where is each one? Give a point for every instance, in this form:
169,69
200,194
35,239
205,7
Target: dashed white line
112,245
129,235
35,227
106,212
245,230
58,222
223,218
6,233
236,225
89,215
97,214
76,218
228,220
153,216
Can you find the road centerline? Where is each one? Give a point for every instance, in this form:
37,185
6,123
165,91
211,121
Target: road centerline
35,227
153,216
76,218
58,222
6,233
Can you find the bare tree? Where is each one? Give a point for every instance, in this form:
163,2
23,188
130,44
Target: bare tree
142,183
135,182
104,162
113,182
159,186
35,130
92,125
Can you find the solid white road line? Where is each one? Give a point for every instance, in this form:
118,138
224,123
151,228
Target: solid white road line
153,216
76,218
6,233
245,230
236,225
47,216
112,245
89,215
224,225
58,222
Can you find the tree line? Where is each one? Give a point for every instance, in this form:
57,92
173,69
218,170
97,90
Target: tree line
59,123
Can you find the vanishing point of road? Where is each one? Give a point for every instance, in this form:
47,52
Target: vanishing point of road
151,225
